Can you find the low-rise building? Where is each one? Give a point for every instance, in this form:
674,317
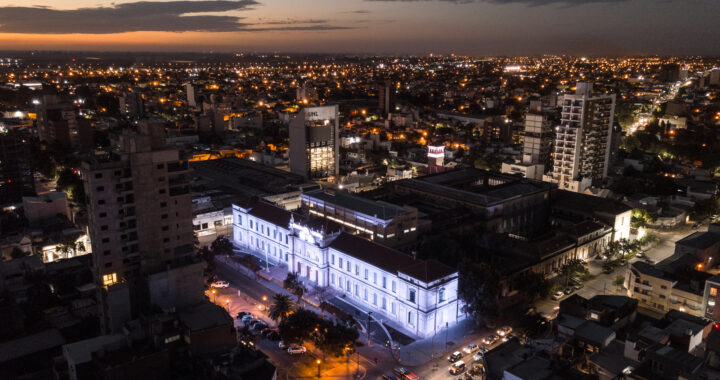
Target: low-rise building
416,296
661,290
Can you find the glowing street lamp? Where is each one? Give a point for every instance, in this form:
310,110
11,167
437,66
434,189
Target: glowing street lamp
318,363
213,293
227,304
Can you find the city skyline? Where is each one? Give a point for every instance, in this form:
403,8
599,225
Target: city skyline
481,27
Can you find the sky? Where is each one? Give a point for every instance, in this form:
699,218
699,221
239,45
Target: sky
471,27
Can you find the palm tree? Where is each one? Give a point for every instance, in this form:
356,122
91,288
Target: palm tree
281,307
294,284
571,267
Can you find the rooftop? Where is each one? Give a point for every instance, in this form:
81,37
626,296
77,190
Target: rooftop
378,209
30,344
203,316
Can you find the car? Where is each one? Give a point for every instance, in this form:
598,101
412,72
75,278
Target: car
640,255
650,261
504,330
557,295
490,339
568,290
457,367
259,326
578,286
296,349
247,318
220,284
455,356
273,335
695,226
282,345
478,357
242,314
607,269
470,348
405,374
623,262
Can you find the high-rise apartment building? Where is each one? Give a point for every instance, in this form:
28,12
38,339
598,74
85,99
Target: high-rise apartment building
583,139
191,97
16,174
386,97
57,122
132,104
314,142
140,221
537,143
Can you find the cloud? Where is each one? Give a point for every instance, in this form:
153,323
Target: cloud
172,16
291,21
357,12
526,2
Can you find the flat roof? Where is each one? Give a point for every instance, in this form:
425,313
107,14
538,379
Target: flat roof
377,209
30,344
81,351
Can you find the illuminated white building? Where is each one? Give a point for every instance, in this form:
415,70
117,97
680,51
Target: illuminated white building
419,297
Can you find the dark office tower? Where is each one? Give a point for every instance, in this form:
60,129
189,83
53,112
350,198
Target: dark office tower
140,217
16,175
314,142
386,97
132,105
57,122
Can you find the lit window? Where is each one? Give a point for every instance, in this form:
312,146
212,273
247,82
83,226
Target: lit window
713,292
109,279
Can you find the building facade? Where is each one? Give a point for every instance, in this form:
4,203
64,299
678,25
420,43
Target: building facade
314,142
419,297
140,223
537,141
16,174
583,139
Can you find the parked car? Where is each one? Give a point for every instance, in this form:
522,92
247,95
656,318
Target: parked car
490,339
282,345
220,284
455,356
650,261
247,318
504,330
557,295
470,348
242,314
640,254
578,286
405,374
457,367
273,335
478,357
296,349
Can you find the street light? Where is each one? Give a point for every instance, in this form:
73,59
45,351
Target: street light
213,293
264,302
318,363
227,304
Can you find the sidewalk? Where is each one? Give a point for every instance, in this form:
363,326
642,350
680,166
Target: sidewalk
424,350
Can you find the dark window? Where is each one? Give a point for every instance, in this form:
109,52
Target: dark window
165,228
103,228
103,214
105,253
166,240
164,216
100,188
160,166
108,265
101,202
118,173
106,240
98,175
163,204
162,191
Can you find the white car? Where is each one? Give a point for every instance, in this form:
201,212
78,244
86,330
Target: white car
504,330
295,349
558,295
220,284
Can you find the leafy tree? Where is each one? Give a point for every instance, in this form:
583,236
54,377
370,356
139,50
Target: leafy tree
334,339
295,285
323,294
222,246
281,308
479,288
618,281
572,267
209,256
642,217
533,285
298,326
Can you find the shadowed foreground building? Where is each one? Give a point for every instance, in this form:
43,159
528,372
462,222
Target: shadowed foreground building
140,217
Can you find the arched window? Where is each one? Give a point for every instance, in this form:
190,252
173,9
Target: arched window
441,295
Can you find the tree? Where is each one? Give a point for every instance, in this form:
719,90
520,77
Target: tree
323,294
641,217
209,256
298,326
572,267
222,246
67,245
479,288
618,281
281,308
334,339
295,285
533,285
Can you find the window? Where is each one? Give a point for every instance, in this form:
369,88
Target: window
441,295
101,202
100,188
332,278
393,286
106,253
165,216
340,260
366,274
374,278
103,228
161,166
357,290
384,303
109,279
375,299
384,282
348,265
365,294
162,191
163,204
108,265
103,214
105,240
332,259
411,295
357,270
251,223
347,285
662,297
663,287
713,291
410,319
